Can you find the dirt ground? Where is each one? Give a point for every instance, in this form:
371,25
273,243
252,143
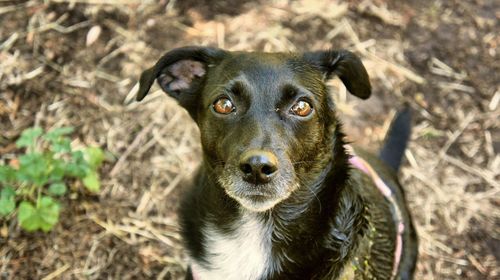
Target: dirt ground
77,63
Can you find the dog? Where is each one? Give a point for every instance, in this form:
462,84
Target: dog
279,193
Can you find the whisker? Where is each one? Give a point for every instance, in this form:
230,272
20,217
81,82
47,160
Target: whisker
302,183
305,161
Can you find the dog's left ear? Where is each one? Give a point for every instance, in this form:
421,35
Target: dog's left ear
346,65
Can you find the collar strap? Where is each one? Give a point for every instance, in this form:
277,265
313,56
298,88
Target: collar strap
386,191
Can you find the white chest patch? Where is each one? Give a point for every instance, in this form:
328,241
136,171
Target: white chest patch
244,254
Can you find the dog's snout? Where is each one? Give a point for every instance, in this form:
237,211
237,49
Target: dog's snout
258,166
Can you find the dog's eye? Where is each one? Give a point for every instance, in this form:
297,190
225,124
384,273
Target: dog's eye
301,108
223,106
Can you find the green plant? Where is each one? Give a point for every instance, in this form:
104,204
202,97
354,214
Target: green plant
33,183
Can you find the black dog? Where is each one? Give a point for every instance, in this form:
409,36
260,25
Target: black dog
278,196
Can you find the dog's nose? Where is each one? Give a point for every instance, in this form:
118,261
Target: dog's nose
258,166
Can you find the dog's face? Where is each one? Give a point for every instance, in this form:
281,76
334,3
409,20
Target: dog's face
266,119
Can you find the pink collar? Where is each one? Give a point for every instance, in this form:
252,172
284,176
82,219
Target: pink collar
366,168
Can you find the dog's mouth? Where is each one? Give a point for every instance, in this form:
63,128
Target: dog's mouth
257,197
257,202
254,197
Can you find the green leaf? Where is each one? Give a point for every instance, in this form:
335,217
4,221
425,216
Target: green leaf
49,210
56,133
25,216
43,217
78,157
94,156
76,170
91,181
7,174
57,189
57,170
33,168
62,145
59,143
28,137
77,167
7,201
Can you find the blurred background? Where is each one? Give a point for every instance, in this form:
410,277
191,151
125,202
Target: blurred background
77,62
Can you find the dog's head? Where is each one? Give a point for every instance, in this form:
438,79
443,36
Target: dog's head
266,119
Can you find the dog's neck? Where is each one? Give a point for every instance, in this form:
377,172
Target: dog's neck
292,235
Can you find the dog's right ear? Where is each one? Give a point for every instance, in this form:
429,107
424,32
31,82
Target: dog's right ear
180,73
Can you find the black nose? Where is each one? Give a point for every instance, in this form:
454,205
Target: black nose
258,166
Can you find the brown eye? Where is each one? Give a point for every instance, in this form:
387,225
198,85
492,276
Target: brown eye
223,106
301,108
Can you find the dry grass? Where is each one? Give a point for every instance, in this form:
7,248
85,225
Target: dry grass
65,62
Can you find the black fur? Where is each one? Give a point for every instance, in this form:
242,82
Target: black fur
326,222
345,65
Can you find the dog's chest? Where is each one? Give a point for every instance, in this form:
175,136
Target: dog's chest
242,254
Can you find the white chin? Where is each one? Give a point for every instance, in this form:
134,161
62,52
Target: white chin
257,206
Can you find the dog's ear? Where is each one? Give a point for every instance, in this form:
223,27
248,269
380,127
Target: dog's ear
346,65
180,73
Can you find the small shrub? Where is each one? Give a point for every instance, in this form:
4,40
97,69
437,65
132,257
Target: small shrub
33,183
